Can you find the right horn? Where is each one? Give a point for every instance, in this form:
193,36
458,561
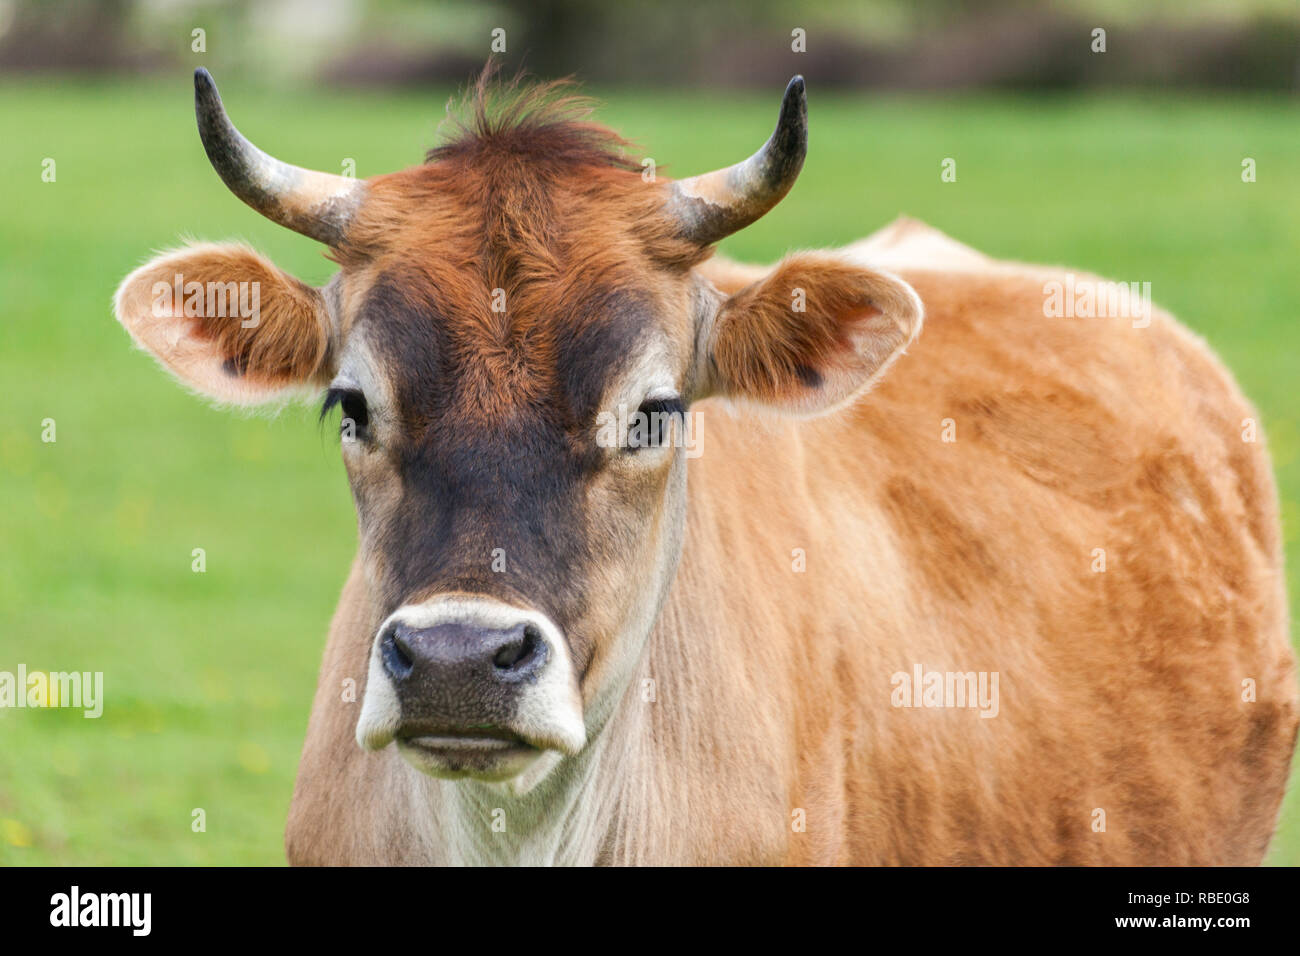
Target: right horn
713,205
318,205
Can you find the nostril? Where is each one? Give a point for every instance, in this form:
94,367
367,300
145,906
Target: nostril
520,652
397,659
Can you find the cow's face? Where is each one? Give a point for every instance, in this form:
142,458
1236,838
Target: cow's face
513,378
515,339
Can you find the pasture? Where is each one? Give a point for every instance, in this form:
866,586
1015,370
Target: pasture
209,676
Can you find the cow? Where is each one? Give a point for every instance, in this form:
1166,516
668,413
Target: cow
666,559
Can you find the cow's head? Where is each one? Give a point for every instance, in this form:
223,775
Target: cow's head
494,311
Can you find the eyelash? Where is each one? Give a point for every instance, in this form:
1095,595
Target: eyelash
659,413
353,403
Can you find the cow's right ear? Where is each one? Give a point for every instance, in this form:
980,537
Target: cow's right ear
811,335
226,322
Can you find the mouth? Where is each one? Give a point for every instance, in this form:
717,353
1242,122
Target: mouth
483,753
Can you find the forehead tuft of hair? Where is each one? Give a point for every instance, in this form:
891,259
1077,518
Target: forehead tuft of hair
523,189
519,117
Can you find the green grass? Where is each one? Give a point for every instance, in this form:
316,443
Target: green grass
209,676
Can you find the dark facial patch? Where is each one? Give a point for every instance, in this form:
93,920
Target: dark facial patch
592,353
499,479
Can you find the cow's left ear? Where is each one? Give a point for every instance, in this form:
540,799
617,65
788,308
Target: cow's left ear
810,336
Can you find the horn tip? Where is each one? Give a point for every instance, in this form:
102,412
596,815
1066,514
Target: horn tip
206,96
792,127
796,96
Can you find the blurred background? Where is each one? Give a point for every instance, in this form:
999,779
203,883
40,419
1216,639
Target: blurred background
1121,152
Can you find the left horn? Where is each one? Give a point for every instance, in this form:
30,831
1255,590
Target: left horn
714,205
318,205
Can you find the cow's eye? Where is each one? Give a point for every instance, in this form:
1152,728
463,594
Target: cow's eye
355,415
649,426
